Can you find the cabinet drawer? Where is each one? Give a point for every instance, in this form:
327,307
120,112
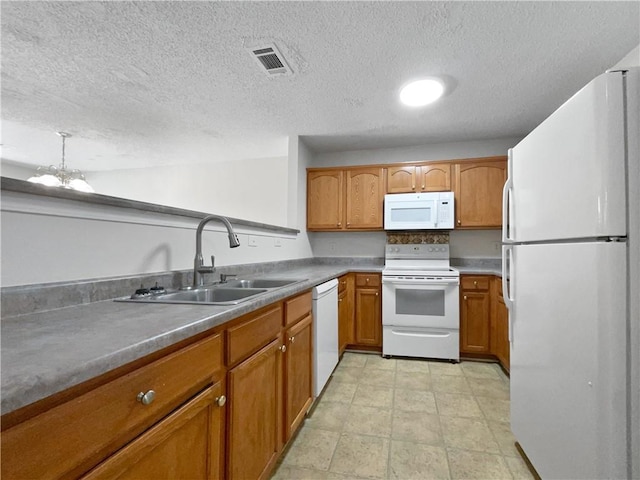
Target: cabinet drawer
297,308
250,336
71,438
475,282
367,280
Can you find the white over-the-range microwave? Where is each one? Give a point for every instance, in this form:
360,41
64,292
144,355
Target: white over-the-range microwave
419,211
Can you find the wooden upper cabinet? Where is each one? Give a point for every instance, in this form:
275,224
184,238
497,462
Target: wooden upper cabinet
478,193
432,177
365,196
435,177
401,179
325,200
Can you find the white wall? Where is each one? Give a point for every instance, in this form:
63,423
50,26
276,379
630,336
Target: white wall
464,243
44,239
632,59
436,151
252,189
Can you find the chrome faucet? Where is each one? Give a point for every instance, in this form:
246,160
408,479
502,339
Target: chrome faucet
199,268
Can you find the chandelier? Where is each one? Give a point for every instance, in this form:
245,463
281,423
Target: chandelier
61,176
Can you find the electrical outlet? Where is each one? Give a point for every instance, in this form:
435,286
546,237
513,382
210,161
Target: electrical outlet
277,242
253,241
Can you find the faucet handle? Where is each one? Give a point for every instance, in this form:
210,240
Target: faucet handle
224,276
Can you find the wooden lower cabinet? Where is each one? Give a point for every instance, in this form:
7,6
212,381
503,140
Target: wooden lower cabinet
299,379
254,430
484,319
220,407
189,443
475,314
368,310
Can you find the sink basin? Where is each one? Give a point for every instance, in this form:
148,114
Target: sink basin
228,293
260,283
211,295
206,296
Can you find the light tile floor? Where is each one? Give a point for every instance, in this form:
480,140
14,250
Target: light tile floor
407,419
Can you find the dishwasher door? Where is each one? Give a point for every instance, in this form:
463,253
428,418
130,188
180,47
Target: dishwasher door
325,333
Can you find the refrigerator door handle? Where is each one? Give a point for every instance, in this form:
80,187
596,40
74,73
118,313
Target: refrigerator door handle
507,284
507,281
506,203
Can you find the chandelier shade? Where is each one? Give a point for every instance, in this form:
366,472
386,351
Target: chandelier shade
61,176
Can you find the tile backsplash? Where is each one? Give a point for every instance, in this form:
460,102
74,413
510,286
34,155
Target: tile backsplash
418,237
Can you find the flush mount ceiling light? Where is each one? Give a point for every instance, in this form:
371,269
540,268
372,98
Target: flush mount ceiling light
61,176
421,92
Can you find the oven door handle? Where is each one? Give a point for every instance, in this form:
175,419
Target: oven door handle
421,281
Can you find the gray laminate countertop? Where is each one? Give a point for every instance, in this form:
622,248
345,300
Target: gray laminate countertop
47,352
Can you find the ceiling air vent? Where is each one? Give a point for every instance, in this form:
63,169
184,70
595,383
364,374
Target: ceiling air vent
271,60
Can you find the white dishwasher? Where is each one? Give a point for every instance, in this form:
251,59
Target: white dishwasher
325,333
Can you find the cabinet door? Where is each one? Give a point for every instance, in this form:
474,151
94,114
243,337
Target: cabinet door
474,322
187,444
325,193
368,318
299,368
478,194
435,177
365,195
401,179
254,433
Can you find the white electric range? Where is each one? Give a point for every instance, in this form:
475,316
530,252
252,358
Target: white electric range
420,302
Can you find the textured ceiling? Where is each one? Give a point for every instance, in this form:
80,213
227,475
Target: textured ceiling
150,83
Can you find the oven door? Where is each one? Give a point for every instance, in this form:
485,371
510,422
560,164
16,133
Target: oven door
421,302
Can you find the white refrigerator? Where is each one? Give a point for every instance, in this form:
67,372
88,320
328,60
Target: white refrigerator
570,277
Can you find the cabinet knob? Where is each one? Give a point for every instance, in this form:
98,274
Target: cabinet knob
340,299
339,224
348,224
376,294
146,398
475,284
221,400
292,339
465,297
459,222
367,280
423,187
413,187
283,348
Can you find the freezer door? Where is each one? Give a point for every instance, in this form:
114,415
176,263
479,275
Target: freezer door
567,176
568,358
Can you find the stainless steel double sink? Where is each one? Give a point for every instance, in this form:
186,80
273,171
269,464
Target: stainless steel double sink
232,292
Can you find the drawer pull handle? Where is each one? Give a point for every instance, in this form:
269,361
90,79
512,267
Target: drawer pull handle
292,339
221,400
283,348
146,398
